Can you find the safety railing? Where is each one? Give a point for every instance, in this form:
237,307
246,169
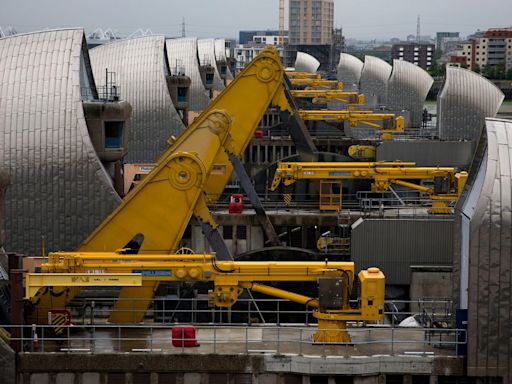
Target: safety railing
365,341
249,311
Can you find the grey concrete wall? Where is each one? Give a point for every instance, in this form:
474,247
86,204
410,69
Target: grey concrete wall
61,368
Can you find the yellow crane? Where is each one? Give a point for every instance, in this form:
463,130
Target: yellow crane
447,183
188,176
334,280
302,75
324,96
315,83
151,220
387,123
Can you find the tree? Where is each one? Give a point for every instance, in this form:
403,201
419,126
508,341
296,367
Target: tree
477,69
500,72
509,74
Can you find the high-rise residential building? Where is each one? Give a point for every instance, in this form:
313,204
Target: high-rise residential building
311,22
490,48
420,54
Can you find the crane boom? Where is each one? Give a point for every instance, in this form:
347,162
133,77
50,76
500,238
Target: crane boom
335,281
447,182
191,173
323,96
194,170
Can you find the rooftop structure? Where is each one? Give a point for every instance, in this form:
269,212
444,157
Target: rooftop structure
407,89
222,60
349,72
464,102
374,81
141,68
482,254
206,52
306,63
182,53
59,188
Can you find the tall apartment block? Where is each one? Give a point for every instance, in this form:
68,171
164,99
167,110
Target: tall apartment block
311,22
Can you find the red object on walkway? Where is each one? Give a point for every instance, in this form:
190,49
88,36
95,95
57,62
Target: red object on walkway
184,337
258,134
236,203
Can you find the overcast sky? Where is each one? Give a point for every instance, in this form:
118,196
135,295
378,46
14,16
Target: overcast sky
362,19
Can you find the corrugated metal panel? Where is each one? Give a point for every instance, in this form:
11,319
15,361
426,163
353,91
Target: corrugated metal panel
374,81
407,89
220,56
306,63
394,245
483,249
428,153
183,53
464,102
349,72
206,51
59,188
141,70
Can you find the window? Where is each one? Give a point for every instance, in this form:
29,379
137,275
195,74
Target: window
113,134
182,94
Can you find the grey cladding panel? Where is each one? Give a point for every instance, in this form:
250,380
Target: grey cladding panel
59,188
306,63
394,245
220,56
349,72
464,102
408,88
141,70
182,52
483,239
206,51
428,153
374,81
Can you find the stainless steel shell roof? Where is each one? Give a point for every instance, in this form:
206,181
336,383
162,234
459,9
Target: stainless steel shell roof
349,72
140,68
306,63
59,189
374,81
464,102
206,51
482,253
220,56
407,89
182,52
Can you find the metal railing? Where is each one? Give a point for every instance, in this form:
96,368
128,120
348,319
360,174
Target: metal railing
249,311
365,341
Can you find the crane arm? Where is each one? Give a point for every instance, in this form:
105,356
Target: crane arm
334,279
316,83
448,183
194,170
387,123
323,96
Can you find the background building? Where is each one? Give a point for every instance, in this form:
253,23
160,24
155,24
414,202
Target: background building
442,38
420,54
311,30
247,37
311,21
492,48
